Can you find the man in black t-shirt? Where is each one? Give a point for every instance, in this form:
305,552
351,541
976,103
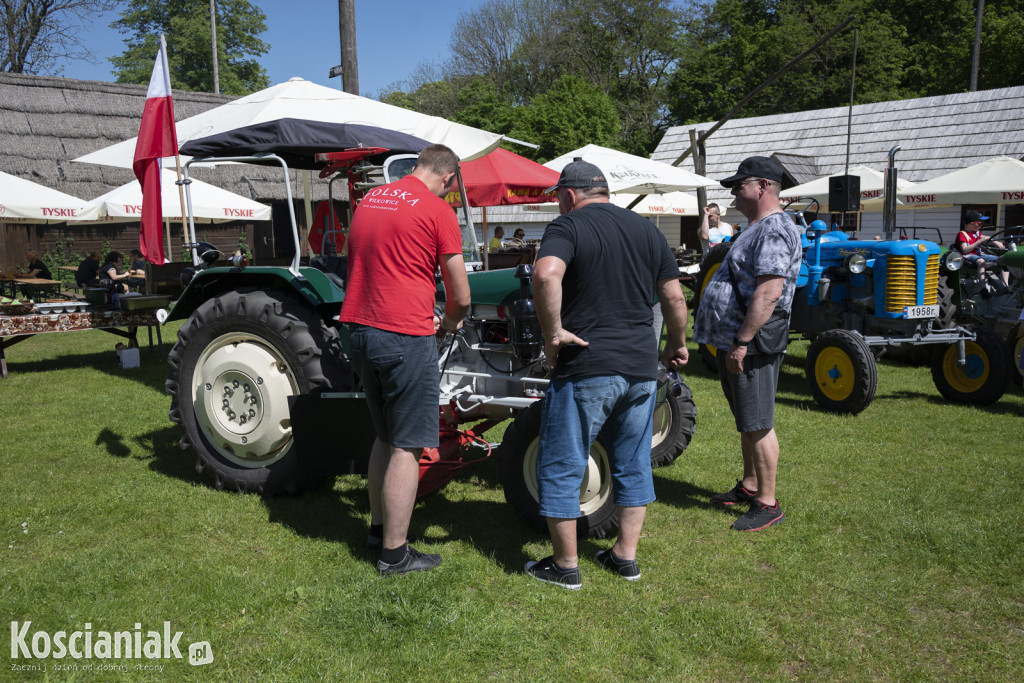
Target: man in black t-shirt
138,270
87,274
599,269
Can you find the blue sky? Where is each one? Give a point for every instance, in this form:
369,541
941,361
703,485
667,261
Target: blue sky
393,37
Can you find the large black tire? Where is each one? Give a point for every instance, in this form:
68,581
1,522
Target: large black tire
1017,358
238,358
711,263
947,309
517,471
675,418
985,377
841,372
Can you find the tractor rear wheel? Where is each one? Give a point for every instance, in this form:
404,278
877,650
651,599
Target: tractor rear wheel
841,372
984,377
238,358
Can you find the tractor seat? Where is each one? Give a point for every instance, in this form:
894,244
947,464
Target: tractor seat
335,267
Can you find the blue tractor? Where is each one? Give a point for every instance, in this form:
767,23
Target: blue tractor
857,298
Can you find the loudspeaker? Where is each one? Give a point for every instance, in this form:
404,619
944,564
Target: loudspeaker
844,193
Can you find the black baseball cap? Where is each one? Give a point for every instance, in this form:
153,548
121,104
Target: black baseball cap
579,173
972,216
755,167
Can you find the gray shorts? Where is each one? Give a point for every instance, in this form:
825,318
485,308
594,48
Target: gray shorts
751,394
400,376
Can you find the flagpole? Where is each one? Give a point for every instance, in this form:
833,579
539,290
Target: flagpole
177,160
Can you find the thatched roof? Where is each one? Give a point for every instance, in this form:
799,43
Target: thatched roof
45,122
936,135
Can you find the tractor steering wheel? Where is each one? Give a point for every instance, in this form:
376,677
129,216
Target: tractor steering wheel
799,213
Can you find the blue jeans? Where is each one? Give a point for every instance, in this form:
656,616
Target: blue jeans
575,410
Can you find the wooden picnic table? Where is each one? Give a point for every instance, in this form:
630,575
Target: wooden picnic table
31,284
17,328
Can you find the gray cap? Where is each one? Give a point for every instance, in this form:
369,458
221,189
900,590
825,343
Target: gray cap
579,173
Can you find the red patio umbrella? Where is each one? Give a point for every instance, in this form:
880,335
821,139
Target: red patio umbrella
504,177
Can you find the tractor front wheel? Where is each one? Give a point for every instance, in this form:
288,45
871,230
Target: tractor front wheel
841,371
985,375
517,470
674,422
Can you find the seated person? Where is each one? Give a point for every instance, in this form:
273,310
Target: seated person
495,243
36,267
712,228
137,271
111,275
87,274
519,234
969,242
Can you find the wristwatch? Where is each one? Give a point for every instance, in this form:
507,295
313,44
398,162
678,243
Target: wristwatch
736,342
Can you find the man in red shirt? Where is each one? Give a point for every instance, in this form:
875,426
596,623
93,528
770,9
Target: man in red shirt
968,242
400,234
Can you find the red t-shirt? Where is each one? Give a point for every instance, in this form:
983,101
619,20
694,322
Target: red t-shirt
967,238
398,234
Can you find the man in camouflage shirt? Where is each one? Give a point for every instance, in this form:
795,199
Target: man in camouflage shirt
754,284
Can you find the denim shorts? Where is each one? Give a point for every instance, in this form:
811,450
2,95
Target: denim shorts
987,258
751,394
400,377
575,410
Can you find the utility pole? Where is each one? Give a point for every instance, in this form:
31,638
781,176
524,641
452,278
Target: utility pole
349,60
977,47
213,42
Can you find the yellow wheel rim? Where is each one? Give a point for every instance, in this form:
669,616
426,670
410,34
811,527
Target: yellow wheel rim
834,373
973,375
707,278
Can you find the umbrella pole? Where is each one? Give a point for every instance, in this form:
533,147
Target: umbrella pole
184,214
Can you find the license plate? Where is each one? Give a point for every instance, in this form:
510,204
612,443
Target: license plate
920,311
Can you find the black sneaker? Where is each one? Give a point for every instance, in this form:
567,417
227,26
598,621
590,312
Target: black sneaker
414,561
547,571
375,542
737,494
627,569
759,516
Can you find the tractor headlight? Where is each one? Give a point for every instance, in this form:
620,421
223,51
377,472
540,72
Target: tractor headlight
855,264
953,260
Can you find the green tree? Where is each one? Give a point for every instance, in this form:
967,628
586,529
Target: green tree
571,114
732,46
186,24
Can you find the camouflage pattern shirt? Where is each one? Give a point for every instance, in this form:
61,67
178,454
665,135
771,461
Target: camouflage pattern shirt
770,246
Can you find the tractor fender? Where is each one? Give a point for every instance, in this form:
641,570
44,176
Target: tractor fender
312,286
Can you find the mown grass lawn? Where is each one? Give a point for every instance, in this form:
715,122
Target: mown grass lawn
901,557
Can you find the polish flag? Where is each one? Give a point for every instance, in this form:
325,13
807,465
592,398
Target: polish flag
157,139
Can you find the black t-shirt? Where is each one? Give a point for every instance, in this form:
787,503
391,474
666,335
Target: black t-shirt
109,270
614,259
44,272
87,271
139,264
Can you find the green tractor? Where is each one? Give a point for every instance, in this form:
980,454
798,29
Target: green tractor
267,401
990,305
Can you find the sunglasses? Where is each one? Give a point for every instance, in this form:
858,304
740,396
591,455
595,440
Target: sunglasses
670,379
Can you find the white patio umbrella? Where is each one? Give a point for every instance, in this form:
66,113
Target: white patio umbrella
23,201
872,184
671,204
632,174
993,181
299,99
210,204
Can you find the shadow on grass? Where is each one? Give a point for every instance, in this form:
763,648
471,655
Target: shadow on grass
1000,407
683,494
152,372
159,447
